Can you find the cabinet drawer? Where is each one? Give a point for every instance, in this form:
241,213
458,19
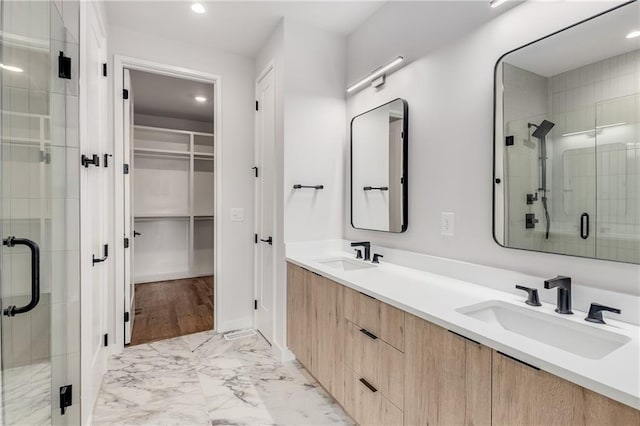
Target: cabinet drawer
380,319
379,363
367,405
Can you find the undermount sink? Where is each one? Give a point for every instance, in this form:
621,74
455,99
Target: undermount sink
344,264
579,339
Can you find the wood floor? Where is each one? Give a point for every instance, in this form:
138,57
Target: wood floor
169,309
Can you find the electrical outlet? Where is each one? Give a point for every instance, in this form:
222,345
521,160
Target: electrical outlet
237,214
447,224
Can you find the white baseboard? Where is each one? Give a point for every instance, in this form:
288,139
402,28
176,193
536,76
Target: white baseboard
238,324
283,353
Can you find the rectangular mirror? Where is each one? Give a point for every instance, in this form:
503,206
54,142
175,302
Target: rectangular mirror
379,141
567,141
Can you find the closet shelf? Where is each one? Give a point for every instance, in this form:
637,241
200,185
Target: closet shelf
160,216
161,152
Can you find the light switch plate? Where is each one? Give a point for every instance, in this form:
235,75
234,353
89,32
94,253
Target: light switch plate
447,224
237,214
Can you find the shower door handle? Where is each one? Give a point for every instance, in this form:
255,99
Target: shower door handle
35,275
584,226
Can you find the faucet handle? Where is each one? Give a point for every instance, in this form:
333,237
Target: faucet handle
532,298
595,313
358,254
376,256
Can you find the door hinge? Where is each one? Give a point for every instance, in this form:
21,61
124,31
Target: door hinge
255,238
94,159
66,400
126,317
255,304
126,242
509,141
106,339
104,69
255,170
45,157
257,107
125,169
106,159
125,94
64,66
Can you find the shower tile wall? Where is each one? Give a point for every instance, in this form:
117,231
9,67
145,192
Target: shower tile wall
577,101
598,96
525,102
40,200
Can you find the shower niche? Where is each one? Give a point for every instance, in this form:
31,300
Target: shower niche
567,141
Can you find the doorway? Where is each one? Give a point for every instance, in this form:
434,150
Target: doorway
169,182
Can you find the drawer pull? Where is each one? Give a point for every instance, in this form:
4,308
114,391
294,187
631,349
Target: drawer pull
517,360
368,333
369,385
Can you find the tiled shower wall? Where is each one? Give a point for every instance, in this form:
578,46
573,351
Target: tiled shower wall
596,133
40,200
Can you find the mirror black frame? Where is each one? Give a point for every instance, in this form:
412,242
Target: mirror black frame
405,165
497,180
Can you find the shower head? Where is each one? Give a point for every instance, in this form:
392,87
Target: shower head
543,129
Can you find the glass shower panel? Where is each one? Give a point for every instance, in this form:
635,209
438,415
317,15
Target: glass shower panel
39,277
618,179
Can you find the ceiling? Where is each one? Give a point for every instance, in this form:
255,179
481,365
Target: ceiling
239,27
164,96
593,41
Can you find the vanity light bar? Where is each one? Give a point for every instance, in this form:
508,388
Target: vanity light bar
375,74
593,130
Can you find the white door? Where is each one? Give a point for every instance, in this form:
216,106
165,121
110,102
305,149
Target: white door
129,293
93,220
265,205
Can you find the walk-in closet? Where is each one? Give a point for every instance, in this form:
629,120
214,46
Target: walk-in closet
171,204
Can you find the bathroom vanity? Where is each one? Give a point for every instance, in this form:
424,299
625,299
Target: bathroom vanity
399,345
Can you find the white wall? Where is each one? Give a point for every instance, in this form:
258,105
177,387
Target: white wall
235,286
371,168
310,69
450,96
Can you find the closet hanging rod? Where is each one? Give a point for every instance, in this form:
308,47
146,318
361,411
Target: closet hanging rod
298,186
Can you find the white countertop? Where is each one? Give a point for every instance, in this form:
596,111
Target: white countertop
436,298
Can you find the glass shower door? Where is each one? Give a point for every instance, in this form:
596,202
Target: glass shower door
618,179
39,287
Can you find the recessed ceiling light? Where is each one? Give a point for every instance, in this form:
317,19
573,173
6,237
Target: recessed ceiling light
634,34
200,99
11,68
198,8
496,3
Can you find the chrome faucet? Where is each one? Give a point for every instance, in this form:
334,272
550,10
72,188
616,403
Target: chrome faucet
564,293
367,248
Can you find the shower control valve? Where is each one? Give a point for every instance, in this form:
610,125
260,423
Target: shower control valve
531,198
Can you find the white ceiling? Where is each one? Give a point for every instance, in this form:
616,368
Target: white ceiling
239,27
164,96
592,41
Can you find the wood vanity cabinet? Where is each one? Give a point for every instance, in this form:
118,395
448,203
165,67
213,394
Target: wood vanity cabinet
315,332
447,378
373,360
388,367
524,395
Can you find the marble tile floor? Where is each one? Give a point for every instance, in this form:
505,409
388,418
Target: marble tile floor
26,395
202,379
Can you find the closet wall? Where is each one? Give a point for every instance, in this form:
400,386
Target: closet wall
173,187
